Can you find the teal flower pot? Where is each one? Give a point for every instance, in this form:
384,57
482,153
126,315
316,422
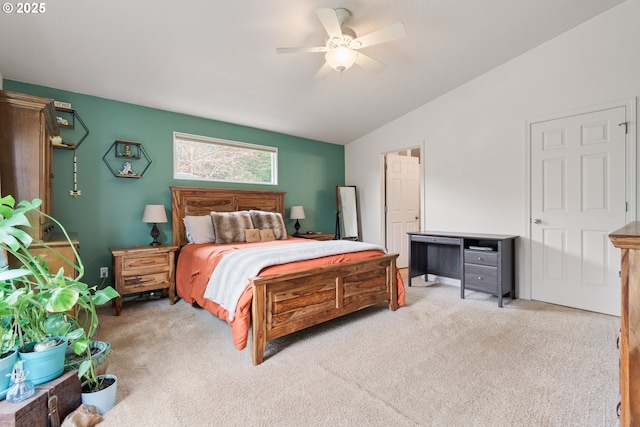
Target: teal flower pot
6,367
43,366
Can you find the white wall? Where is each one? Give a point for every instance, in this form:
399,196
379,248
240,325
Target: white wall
473,137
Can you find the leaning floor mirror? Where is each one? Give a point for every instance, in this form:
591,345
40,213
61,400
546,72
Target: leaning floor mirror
348,215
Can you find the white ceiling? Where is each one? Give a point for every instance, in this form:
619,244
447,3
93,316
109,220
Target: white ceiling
216,59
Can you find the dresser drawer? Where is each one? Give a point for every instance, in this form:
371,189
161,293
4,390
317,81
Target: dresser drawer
481,278
481,257
132,263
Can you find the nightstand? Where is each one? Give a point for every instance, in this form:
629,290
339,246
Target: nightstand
143,268
316,236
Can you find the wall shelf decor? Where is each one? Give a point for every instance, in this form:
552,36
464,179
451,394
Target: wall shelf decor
127,159
67,118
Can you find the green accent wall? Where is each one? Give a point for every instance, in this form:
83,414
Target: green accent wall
109,210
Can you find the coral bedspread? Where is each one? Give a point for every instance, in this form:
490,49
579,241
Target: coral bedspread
197,261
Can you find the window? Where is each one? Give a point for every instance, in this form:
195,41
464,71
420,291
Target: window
211,159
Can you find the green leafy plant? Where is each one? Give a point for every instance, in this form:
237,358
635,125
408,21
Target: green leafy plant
36,304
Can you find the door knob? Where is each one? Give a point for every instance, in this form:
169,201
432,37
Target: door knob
537,221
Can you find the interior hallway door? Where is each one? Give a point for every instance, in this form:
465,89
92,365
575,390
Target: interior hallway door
577,199
402,204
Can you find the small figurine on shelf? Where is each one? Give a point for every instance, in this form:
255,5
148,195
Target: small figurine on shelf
127,151
127,170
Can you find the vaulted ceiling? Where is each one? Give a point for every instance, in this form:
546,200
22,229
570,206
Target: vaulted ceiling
217,59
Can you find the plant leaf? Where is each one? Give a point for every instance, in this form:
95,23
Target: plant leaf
56,325
103,296
14,274
62,299
81,345
84,367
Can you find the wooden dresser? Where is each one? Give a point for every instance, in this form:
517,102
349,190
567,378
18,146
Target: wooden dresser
628,240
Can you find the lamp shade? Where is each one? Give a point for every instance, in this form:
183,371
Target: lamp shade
154,213
297,212
341,58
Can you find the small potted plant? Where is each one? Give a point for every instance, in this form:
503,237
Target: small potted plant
41,308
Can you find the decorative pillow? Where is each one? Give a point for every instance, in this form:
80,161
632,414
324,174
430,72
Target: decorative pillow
252,235
267,235
199,229
264,220
229,226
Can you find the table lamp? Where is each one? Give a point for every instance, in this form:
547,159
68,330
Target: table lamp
297,212
154,214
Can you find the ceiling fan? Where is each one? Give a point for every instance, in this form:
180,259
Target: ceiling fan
341,48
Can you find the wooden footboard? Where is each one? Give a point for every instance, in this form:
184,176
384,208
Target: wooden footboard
286,303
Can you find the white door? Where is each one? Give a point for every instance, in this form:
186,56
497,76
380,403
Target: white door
403,203
577,199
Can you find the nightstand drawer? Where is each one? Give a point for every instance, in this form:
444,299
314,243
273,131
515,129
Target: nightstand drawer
139,283
481,278
481,257
131,263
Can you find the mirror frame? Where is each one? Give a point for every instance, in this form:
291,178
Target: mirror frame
352,211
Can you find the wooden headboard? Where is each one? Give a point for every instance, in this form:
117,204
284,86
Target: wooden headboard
201,201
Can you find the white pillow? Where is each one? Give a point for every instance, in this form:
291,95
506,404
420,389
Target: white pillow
199,229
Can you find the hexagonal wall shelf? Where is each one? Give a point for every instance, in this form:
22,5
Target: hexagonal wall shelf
127,159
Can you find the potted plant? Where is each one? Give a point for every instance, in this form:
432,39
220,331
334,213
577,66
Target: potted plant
38,306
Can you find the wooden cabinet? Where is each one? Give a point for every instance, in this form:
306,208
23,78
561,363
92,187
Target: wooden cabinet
140,269
26,164
628,240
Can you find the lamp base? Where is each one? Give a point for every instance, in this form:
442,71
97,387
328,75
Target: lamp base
155,233
297,227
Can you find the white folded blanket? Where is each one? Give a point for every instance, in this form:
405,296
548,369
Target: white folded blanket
232,274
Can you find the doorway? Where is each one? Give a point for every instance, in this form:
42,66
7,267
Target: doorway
401,201
580,177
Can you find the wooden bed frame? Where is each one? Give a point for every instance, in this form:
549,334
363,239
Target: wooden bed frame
286,303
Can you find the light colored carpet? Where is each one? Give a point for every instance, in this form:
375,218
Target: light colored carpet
438,361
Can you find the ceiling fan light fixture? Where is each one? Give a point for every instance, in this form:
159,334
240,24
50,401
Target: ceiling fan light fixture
341,58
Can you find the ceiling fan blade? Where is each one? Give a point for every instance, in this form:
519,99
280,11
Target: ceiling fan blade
323,72
369,63
329,21
301,49
383,35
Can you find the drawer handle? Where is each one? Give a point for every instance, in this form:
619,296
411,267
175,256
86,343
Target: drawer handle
480,278
479,258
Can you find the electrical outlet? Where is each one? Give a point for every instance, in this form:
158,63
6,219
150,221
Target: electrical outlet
104,272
